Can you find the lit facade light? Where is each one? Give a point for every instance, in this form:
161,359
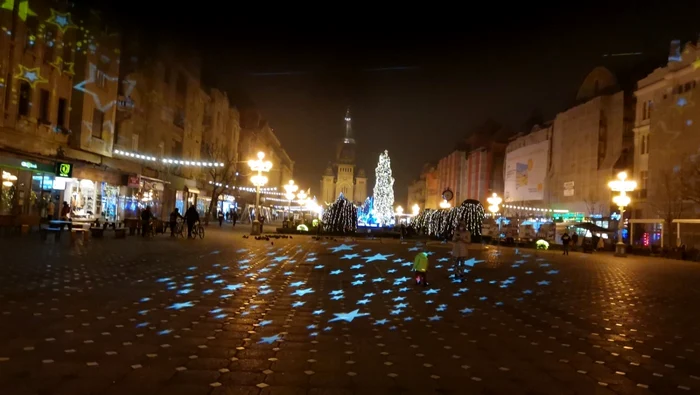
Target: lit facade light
494,201
399,210
444,204
622,200
415,209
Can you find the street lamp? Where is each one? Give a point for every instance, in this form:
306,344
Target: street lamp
301,199
290,189
259,180
444,204
415,209
493,202
623,186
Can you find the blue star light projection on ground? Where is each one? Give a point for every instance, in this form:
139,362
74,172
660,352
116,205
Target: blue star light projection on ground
375,288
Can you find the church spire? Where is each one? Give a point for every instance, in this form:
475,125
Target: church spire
348,127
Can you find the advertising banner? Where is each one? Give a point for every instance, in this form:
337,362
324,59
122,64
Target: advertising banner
525,172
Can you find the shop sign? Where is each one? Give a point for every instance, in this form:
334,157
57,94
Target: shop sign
29,165
133,181
64,169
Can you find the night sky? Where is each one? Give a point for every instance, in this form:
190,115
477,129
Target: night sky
412,90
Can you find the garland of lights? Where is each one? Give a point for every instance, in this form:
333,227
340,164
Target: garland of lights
384,191
442,223
340,216
180,162
365,214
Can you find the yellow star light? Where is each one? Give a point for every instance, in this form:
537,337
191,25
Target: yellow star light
58,64
62,21
32,76
69,68
23,10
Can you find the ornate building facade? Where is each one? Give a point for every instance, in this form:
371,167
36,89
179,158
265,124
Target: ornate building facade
340,177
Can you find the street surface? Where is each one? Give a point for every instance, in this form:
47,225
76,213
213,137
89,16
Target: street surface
228,315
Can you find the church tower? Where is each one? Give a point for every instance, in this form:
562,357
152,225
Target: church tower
341,177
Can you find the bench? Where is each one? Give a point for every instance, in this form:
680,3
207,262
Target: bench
44,232
77,233
97,232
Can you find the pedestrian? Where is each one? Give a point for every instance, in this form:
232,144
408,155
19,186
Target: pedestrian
262,222
65,212
460,251
574,240
146,216
565,240
191,217
221,218
420,266
235,217
173,221
50,210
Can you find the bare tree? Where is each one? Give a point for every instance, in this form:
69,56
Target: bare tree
222,176
667,198
689,178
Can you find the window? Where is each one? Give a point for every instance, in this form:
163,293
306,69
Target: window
97,121
647,107
100,78
44,102
135,142
25,98
643,180
644,149
62,106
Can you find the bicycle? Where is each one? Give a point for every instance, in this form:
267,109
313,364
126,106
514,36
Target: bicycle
198,230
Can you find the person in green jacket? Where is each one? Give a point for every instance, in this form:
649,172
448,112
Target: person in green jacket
420,266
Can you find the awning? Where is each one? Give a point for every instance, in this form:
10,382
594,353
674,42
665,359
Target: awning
154,180
193,190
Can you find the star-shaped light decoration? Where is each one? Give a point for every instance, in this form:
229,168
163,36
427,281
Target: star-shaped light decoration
380,322
302,292
62,21
376,257
335,272
318,267
337,297
297,284
349,256
266,292
311,259
298,304
180,306
281,258
435,318
32,76
233,287
357,282
270,339
471,262
431,291
355,267
349,317
401,280
318,312
342,247
95,97
414,249
265,322
466,310
443,260
378,279
543,282
363,301
23,11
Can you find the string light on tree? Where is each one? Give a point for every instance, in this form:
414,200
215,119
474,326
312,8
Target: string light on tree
384,191
340,217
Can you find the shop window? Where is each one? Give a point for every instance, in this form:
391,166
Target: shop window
8,191
62,107
97,122
44,103
25,98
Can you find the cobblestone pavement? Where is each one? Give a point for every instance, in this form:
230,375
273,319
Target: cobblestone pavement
228,315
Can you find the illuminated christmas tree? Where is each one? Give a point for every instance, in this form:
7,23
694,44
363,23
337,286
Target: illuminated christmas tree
340,217
384,191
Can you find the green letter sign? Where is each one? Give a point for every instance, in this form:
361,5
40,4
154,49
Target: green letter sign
64,169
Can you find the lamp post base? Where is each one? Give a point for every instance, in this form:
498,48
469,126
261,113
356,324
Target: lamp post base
255,231
620,250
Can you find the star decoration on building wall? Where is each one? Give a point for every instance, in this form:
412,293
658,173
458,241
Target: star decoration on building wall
62,21
32,76
95,97
23,10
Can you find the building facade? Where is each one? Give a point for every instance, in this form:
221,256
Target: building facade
342,177
666,135
588,147
452,176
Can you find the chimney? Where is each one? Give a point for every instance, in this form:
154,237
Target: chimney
674,54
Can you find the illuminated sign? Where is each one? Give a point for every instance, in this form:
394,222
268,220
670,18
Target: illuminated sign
29,165
64,169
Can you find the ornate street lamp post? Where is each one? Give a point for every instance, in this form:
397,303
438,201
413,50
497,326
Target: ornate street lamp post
259,180
290,189
494,201
622,185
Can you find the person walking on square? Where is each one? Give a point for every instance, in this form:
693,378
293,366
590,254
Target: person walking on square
420,266
191,217
146,216
565,240
221,218
460,251
51,210
173,221
574,241
235,217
